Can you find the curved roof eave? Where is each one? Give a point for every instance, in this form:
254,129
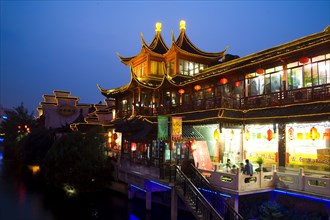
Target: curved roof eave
184,43
109,92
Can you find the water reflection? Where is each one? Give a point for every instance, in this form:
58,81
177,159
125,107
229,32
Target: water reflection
23,197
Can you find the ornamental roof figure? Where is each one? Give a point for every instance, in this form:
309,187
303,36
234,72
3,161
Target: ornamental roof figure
183,45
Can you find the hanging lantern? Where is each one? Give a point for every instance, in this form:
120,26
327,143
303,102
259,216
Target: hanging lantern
216,134
313,133
260,71
303,60
197,87
232,133
133,146
209,90
223,81
291,133
269,135
237,84
181,91
247,135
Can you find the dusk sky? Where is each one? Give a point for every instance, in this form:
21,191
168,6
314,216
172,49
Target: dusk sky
72,45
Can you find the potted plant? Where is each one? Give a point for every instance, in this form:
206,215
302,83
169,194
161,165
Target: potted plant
259,161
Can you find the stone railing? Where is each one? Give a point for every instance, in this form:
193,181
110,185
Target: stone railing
295,180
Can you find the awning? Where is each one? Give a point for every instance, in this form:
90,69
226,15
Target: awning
188,132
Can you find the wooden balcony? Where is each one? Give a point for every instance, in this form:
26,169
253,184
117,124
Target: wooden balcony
302,95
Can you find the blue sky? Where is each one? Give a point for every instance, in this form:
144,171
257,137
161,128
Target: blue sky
72,45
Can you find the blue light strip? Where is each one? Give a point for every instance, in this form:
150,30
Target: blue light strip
138,188
209,191
301,196
167,187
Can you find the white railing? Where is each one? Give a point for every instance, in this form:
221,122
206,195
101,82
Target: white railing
295,180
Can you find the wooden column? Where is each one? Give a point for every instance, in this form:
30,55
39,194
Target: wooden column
174,205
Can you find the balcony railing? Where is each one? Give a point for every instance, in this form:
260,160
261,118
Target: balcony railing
301,95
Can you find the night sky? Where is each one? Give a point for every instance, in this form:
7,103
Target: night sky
72,45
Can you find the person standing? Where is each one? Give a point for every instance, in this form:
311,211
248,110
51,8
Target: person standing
248,169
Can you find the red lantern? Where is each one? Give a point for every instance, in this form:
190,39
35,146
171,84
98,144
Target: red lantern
133,146
181,91
260,71
209,90
313,133
237,84
291,133
223,81
269,135
197,87
303,60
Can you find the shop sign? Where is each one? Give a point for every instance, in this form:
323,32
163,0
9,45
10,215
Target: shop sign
202,156
162,128
176,127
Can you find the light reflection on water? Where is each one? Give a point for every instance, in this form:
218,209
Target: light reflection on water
22,197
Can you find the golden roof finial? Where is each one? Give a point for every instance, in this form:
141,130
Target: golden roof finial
182,25
158,27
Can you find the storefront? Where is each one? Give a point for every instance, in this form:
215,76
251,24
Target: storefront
308,145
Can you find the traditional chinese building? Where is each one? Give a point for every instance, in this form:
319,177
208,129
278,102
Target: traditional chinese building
182,102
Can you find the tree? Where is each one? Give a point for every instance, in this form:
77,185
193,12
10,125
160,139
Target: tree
17,125
77,160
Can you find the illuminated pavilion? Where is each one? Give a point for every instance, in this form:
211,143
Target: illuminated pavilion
184,104
272,104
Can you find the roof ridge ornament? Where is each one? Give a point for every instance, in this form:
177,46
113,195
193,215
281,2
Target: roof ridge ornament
158,27
173,39
182,25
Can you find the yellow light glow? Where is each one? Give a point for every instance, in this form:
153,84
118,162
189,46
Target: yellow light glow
182,25
158,27
34,169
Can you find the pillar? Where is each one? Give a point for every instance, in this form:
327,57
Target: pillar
174,205
131,192
236,202
148,200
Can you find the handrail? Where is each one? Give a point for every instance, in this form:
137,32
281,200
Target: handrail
201,205
220,204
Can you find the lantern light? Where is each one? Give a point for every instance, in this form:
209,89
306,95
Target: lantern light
223,81
260,71
237,84
216,135
313,133
133,146
303,60
181,91
291,133
197,87
247,135
209,90
269,135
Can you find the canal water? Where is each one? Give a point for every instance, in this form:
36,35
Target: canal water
24,197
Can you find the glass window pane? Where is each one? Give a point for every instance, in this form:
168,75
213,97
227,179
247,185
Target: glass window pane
308,75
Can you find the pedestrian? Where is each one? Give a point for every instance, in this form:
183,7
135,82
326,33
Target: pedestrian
241,166
248,170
